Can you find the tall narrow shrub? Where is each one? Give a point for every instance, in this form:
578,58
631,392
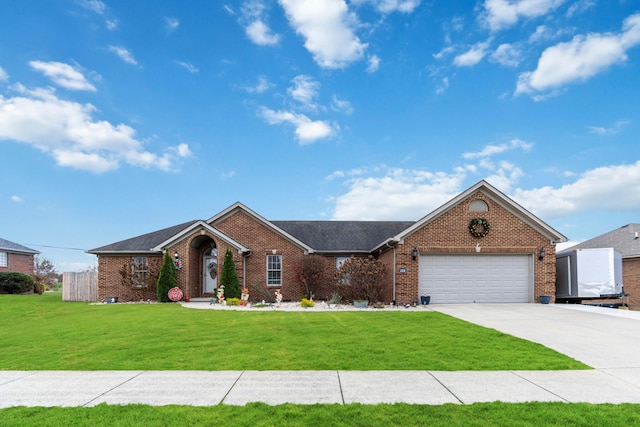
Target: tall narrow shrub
167,278
229,277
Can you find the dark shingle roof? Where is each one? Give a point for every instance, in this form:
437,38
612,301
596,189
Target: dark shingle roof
6,245
145,242
347,236
622,239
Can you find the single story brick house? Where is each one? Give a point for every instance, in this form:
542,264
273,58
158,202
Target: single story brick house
479,247
16,258
625,240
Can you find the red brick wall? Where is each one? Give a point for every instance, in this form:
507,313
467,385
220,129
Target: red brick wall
111,283
631,281
449,234
19,263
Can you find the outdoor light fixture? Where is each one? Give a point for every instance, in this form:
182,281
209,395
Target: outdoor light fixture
176,261
541,254
414,254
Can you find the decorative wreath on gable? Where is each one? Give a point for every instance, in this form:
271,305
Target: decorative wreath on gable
479,227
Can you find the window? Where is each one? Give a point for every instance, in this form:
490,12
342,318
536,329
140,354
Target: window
140,271
340,260
4,259
274,270
478,206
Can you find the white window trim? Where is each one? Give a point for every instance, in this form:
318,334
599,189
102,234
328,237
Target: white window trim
4,259
279,257
139,276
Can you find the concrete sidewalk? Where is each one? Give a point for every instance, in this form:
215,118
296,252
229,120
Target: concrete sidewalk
206,388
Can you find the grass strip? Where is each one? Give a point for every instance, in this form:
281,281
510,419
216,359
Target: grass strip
257,414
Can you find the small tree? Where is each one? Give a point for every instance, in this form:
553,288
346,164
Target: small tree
167,278
311,273
229,277
361,278
44,272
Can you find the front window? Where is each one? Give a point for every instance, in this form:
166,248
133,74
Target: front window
140,271
3,259
274,270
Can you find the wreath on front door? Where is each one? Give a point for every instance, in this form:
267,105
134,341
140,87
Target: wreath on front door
479,227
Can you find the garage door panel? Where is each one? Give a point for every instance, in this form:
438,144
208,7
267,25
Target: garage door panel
476,278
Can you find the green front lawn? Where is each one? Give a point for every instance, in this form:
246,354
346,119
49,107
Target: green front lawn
257,414
42,332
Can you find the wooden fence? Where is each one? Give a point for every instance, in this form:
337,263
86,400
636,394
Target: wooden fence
80,286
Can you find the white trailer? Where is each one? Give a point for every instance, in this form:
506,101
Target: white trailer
588,274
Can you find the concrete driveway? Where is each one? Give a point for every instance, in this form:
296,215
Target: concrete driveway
603,338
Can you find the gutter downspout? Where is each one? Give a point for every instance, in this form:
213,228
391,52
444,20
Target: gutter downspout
394,269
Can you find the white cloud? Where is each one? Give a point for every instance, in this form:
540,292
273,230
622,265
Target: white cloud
398,194
596,189
262,86
17,199
341,105
611,130
507,54
253,17
502,14
124,54
100,8
171,24
188,66
580,59
327,27
307,130
491,150
305,91
472,56
374,63
442,86
68,132
94,5
259,33
4,77
579,7
63,75
389,6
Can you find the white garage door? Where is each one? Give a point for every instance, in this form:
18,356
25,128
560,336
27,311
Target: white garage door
476,278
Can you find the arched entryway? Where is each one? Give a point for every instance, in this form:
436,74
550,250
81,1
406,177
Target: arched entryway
210,271
203,272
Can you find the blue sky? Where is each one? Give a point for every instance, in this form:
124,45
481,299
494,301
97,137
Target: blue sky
118,118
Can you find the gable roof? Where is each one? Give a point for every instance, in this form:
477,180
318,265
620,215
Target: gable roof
194,227
144,243
498,197
343,236
625,240
8,246
236,207
324,236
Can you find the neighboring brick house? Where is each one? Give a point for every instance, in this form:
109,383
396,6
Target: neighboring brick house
449,254
625,240
16,258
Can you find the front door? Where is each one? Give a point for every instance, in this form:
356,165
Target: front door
210,274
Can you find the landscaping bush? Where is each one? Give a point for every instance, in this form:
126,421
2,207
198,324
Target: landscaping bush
310,272
306,303
16,283
264,294
360,278
38,288
167,278
233,301
229,277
